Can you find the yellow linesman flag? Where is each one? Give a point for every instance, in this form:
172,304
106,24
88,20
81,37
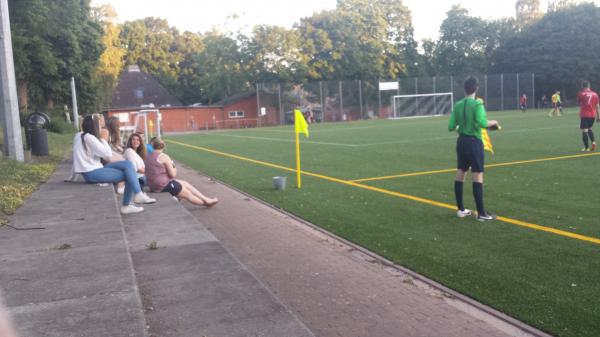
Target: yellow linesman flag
300,122
487,143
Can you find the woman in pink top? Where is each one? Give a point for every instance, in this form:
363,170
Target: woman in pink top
160,177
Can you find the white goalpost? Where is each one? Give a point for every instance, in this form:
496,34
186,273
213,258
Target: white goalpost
422,105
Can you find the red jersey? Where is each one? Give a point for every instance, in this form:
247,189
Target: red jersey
523,100
588,100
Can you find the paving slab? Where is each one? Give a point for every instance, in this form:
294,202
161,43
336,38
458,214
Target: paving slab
192,286
336,288
73,277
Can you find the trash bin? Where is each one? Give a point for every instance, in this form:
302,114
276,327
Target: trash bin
279,182
36,134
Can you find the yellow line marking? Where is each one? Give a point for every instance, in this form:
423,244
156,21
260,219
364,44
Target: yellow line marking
395,194
486,166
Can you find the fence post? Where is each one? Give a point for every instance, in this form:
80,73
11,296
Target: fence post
485,88
281,113
379,98
257,105
502,91
533,88
360,99
341,100
322,103
416,93
518,92
434,97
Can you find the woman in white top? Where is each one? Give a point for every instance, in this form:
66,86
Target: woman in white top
135,152
89,147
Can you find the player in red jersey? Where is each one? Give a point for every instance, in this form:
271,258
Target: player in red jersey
523,102
589,109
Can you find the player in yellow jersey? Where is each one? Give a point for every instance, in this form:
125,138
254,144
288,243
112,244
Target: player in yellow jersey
556,106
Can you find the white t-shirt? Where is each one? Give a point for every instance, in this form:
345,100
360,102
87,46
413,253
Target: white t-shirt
135,158
89,160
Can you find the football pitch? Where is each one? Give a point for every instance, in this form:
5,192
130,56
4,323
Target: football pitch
387,185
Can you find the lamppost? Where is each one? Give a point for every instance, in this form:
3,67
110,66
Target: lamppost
9,107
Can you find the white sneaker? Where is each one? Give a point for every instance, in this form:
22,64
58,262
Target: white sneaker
120,189
143,198
130,209
462,214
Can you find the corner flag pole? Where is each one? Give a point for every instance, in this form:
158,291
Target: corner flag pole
298,175
299,126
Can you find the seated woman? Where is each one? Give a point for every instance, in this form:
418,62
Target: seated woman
89,147
114,135
116,145
135,152
161,173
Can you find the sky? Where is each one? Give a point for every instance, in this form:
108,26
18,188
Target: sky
201,16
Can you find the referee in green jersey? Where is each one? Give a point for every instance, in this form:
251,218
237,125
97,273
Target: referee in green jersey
468,118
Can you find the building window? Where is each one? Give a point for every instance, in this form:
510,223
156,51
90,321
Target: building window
236,114
139,93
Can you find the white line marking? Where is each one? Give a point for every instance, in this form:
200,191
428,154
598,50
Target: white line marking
285,140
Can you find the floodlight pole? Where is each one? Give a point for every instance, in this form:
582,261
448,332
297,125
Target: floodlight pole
74,100
9,107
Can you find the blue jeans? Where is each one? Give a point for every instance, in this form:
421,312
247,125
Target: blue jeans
113,173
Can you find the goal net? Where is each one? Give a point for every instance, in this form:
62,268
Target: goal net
422,105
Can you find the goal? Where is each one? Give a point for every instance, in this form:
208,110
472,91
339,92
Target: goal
422,105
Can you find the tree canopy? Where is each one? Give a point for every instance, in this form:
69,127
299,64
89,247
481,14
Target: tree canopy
359,39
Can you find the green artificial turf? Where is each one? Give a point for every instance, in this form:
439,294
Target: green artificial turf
544,279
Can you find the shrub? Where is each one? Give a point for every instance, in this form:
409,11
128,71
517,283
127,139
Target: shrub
59,125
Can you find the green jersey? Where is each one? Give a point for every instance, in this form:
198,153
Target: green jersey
469,116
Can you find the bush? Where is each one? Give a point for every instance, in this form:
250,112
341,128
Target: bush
58,125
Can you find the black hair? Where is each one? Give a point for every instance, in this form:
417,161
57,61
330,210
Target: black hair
585,84
470,85
89,125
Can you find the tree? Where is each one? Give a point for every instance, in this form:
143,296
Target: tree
359,39
54,40
219,68
188,45
556,5
273,54
111,60
559,57
150,43
527,12
462,46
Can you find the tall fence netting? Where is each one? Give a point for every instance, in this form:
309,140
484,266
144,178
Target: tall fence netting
333,101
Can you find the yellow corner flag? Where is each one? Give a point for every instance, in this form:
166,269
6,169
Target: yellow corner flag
300,123
487,143
301,127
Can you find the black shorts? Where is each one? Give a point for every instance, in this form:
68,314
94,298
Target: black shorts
586,123
469,153
173,187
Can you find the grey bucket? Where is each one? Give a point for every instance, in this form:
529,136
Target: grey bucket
279,182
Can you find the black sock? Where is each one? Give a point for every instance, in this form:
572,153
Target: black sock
478,194
458,192
591,135
585,139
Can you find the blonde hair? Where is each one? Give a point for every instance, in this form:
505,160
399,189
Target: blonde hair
157,143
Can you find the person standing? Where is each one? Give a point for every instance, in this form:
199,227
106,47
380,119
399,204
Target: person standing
468,118
589,109
523,102
556,106
544,102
